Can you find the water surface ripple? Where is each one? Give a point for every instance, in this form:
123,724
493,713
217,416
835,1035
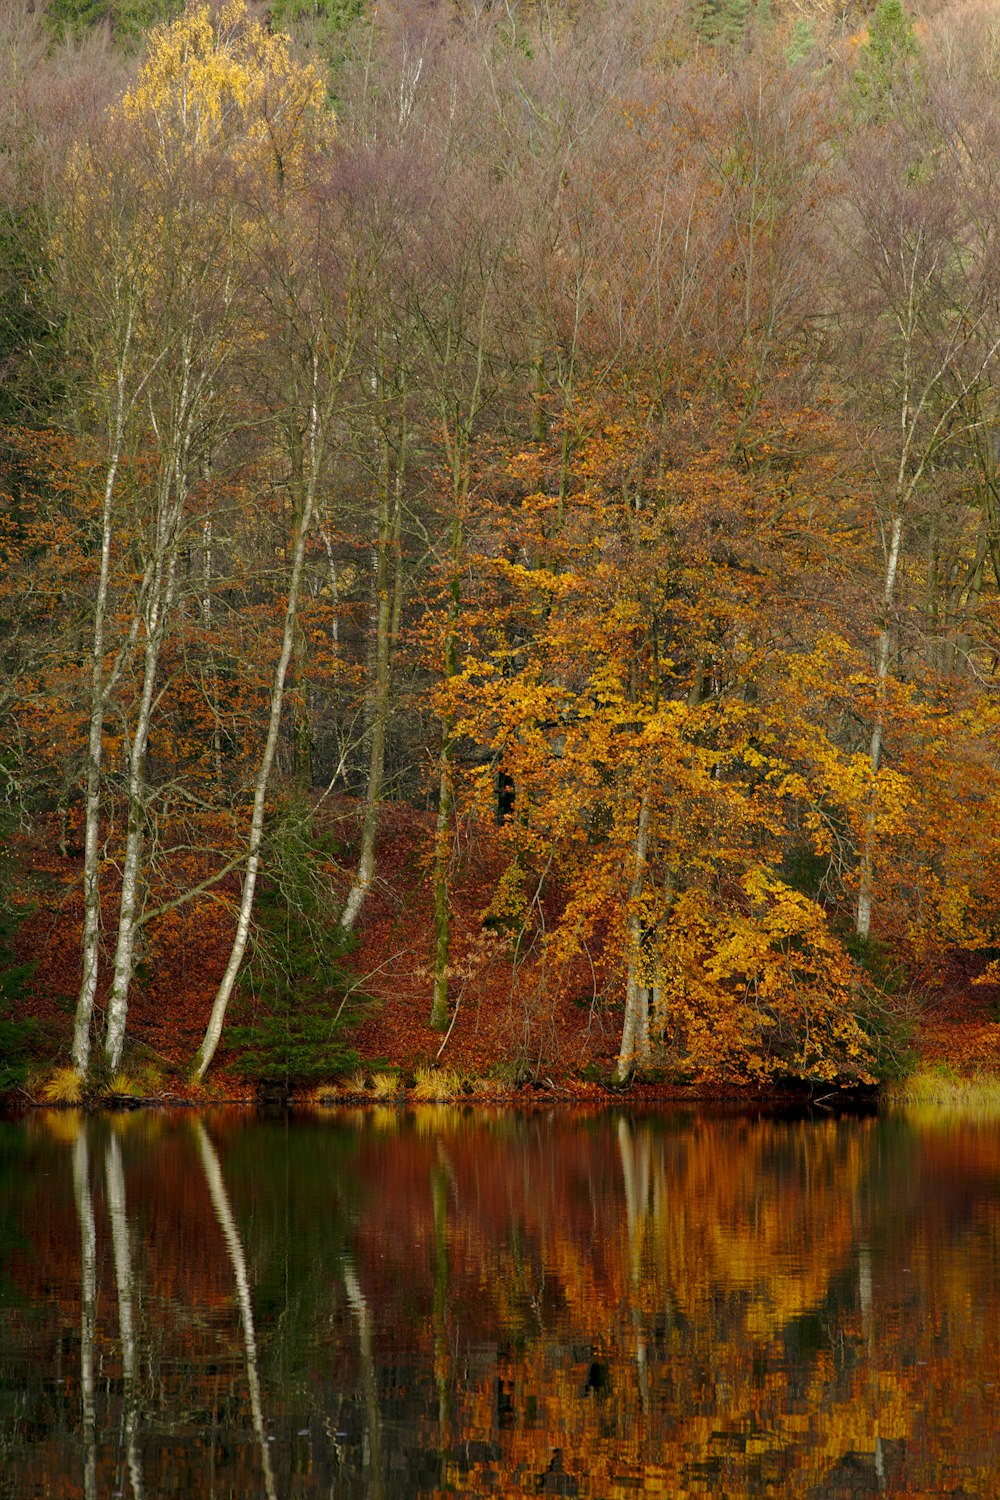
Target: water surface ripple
437,1302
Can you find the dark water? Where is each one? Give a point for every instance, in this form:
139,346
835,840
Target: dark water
394,1304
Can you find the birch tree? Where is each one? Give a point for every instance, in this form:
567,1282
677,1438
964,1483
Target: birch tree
309,283
169,248
921,309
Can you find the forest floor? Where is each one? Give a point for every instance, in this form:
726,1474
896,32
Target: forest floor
507,1038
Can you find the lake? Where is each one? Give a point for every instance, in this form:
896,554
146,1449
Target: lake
440,1302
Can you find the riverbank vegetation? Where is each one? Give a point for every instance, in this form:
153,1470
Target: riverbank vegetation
499,552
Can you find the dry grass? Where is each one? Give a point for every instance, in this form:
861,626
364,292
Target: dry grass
122,1085
939,1094
63,1086
438,1085
325,1093
357,1083
385,1085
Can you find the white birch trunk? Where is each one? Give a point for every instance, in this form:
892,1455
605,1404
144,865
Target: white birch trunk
170,504
92,812
863,917
213,1032
157,611
387,617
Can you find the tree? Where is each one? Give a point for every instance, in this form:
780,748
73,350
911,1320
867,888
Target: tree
921,298
635,692
310,282
158,328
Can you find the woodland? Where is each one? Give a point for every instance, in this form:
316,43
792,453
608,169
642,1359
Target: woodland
499,541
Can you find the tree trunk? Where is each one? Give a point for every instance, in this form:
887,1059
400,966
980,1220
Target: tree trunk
92,814
442,916
389,600
863,916
442,830
213,1033
635,1048
157,611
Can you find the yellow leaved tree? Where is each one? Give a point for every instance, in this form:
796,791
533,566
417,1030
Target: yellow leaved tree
157,250
635,682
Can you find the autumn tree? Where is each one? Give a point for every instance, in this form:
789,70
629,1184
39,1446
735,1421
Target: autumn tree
308,281
920,306
157,331
651,788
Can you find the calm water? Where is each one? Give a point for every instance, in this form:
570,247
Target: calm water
437,1303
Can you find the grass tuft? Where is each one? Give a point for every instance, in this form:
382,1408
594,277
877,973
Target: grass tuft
63,1086
385,1085
122,1085
325,1093
358,1082
438,1085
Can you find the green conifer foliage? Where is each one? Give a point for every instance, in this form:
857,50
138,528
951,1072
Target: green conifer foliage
319,25
888,64
296,1001
723,23
802,43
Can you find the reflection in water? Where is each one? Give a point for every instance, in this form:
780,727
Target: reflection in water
231,1235
447,1304
123,1277
373,1432
88,1310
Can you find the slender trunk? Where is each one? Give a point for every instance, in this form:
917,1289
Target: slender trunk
126,1321
213,1032
157,611
882,656
208,627
442,830
231,1235
88,1308
92,814
442,915
388,590
302,731
635,1050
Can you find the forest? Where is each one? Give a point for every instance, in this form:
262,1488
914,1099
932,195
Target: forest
499,541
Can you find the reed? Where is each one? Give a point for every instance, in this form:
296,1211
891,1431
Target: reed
939,1094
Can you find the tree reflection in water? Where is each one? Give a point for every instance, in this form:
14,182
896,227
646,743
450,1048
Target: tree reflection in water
441,1303
126,1324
